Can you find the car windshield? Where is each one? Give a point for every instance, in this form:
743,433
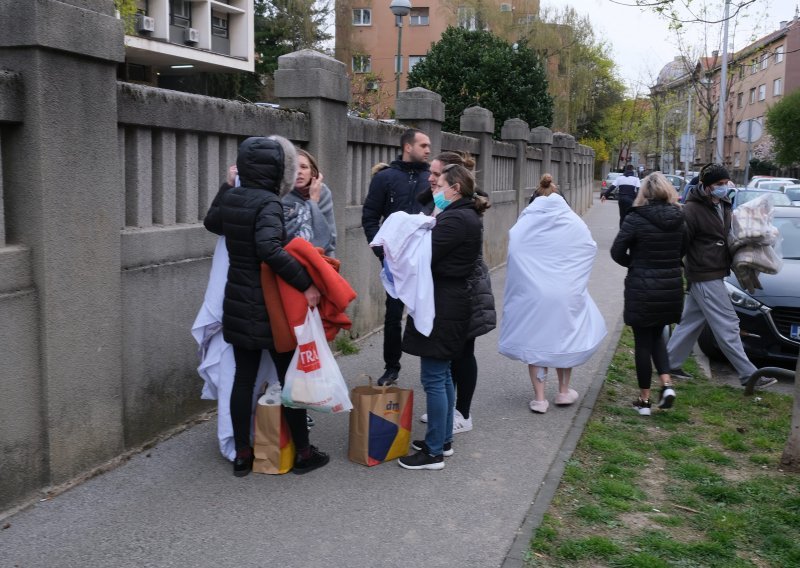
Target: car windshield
749,194
789,228
774,185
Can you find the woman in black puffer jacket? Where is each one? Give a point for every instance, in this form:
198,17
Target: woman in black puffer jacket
250,218
456,243
651,243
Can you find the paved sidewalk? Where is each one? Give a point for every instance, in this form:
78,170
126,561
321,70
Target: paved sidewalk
178,504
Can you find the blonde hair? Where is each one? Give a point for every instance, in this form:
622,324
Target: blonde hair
546,186
655,187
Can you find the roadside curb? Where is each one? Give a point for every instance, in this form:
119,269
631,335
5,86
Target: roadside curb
516,555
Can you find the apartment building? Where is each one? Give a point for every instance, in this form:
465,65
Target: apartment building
367,36
175,38
764,72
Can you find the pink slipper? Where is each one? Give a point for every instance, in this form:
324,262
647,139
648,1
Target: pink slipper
567,398
539,406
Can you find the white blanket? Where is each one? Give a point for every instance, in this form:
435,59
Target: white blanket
406,274
216,356
549,319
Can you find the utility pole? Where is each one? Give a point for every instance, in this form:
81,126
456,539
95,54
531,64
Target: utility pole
723,88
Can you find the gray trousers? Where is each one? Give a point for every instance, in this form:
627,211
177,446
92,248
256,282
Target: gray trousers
708,302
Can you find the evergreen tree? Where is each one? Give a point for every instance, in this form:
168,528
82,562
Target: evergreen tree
469,68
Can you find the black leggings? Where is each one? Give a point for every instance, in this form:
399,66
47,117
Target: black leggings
649,344
244,381
465,377
393,332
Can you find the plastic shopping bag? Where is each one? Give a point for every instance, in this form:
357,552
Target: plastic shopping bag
314,380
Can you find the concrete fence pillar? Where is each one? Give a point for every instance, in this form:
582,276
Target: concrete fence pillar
478,122
317,84
516,131
542,137
564,143
424,110
64,202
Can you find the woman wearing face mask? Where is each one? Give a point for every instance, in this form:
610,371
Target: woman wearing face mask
464,369
456,242
308,208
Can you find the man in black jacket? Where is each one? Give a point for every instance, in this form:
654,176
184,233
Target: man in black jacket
396,189
707,213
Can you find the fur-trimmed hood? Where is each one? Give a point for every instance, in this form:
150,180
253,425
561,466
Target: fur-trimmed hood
267,162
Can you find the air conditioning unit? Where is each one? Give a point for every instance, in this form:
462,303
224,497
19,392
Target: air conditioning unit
191,35
145,23
506,8
372,85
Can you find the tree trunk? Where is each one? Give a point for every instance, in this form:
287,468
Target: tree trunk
790,460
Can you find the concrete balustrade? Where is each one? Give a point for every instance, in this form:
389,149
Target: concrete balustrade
103,256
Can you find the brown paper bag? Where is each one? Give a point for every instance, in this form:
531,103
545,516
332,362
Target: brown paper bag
380,423
273,447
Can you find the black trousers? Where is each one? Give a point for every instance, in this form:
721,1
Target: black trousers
465,377
625,203
244,381
392,332
649,345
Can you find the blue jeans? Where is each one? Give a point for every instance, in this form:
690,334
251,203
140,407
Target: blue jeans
440,394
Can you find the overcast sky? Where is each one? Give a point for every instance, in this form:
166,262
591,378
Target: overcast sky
642,43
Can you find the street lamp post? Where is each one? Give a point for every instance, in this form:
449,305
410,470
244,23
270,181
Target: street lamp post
399,8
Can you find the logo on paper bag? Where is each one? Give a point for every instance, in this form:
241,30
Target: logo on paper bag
308,359
392,407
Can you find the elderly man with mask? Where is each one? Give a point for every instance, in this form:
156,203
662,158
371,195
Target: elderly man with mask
707,213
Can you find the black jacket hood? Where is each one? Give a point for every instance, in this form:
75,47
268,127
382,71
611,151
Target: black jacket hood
267,163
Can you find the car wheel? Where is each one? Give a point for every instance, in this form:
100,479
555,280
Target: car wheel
708,345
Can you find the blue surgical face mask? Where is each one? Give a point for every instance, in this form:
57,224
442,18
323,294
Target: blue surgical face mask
719,191
440,200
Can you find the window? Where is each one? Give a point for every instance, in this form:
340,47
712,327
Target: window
752,95
754,66
219,24
362,64
765,61
739,100
779,54
398,64
467,18
777,87
418,17
762,92
413,60
737,159
362,17
180,13
741,71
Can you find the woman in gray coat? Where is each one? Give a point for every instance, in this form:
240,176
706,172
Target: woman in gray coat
308,208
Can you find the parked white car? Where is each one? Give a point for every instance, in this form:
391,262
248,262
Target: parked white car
793,193
770,182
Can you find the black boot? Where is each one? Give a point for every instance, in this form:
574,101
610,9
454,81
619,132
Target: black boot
243,464
389,377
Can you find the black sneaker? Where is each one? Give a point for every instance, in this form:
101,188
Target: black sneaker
642,406
421,446
667,397
243,464
389,377
316,460
422,460
680,374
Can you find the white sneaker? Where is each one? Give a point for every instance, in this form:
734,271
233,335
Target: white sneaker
424,418
461,424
